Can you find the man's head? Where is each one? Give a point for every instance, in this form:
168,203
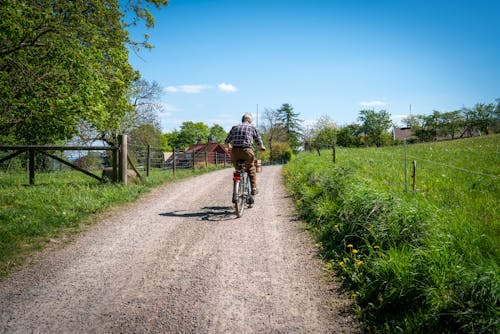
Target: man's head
246,118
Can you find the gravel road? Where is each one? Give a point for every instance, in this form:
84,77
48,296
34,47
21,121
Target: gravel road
179,261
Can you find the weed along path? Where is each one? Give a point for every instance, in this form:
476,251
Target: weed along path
179,261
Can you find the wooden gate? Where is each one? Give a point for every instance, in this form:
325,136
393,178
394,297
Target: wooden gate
119,158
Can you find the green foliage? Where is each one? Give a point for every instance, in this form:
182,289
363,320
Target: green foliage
148,134
289,120
324,133
189,134
63,63
217,134
482,118
350,136
375,125
415,262
93,160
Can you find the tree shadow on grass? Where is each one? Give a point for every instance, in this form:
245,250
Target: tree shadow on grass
209,213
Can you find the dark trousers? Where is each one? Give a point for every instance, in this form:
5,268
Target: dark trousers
247,155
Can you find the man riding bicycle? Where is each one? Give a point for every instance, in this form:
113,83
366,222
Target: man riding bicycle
240,140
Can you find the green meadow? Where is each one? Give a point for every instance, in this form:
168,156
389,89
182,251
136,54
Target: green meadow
418,254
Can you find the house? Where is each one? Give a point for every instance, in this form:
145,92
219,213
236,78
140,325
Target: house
209,153
402,133
215,152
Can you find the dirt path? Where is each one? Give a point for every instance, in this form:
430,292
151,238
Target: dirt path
178,261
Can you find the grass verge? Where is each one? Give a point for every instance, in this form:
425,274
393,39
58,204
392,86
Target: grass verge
424,262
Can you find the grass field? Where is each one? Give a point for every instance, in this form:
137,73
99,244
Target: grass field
58,205
416,262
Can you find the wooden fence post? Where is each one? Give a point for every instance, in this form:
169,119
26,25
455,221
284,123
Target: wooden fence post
194,160
123,159
148,160
406,169
206,159
414,175
334,153
31,166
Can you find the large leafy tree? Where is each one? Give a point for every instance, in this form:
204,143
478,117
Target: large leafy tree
63,63
190,133
217,134
375,126
350,135
324,132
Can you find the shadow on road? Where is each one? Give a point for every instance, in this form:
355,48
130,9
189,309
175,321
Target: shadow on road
210,213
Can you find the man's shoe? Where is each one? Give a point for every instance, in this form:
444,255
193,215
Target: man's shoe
254,191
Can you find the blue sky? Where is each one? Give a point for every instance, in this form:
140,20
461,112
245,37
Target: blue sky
217,59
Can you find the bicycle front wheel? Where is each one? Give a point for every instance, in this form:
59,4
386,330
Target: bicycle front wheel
239,204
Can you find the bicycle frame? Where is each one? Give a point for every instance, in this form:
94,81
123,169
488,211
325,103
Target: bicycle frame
241,190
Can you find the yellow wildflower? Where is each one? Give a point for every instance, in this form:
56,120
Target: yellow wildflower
354,251
349,246
359,263
341,263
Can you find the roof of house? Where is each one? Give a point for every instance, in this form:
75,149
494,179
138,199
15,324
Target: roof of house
402,133
209,147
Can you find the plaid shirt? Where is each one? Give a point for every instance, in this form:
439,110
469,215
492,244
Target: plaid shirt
243,135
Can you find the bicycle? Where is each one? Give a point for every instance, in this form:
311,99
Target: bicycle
241,189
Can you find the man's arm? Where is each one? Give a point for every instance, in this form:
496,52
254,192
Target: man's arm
228,140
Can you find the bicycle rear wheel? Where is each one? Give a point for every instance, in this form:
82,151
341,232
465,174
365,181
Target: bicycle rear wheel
239,204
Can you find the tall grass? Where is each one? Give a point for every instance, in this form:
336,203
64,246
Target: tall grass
415,262
60,204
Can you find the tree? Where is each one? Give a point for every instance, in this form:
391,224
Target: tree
189,134
147,134
324,132
142,136
428,130
217,134
144,98
482,116
271,127
375,126
450,123
350,135
291,123
412,122
63,63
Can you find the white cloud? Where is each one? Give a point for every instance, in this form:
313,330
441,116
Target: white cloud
372,104
228,88
189,89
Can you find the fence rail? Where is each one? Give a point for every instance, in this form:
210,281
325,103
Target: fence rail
119,158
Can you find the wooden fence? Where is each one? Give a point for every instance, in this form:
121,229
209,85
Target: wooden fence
120,158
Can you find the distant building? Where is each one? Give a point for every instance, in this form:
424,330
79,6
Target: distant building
211,149
402,134
211,153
